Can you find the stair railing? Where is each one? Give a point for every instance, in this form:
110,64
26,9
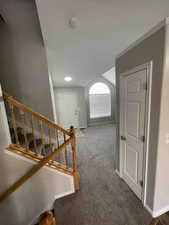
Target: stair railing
40,139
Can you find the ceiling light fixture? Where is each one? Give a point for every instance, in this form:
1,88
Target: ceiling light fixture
68,79
73,22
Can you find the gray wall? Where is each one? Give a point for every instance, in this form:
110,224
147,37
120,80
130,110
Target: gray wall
79,93
161,203
23,64
152,48
83,103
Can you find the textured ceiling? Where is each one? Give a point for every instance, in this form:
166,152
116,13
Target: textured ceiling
104,28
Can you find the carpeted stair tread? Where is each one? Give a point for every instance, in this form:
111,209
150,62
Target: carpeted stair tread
161,220
21,136
164,220
49,145
38,143
36,146
29,136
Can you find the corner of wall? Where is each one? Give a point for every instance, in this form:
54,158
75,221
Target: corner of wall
161,199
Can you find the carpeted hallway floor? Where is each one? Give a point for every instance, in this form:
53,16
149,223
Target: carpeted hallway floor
104,199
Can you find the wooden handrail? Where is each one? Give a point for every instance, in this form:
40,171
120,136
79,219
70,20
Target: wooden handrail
12,101
33,171
154,221
59,143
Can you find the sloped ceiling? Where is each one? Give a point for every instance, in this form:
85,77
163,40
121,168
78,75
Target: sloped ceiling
103,29
110,75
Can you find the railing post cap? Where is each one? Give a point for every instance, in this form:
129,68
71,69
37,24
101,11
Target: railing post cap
72,130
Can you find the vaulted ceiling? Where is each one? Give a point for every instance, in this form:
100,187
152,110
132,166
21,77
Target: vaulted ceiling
100,30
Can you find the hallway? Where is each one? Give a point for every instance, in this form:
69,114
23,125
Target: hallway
103,199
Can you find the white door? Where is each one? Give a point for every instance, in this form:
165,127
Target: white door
67,109
132,119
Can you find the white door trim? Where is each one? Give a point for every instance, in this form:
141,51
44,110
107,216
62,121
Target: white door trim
148,66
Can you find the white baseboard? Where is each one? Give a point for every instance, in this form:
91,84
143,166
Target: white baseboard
157,213
35,163
160,212
154,214
100,123
149,210
118,173
64,194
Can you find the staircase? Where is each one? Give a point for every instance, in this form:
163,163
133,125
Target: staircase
161,220
40,141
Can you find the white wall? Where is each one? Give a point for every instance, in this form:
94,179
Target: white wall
52,98
35,196
71,107
5,139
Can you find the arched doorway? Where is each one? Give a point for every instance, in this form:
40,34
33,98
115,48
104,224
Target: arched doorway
99,101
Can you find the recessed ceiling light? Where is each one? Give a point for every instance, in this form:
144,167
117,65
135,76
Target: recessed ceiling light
68,79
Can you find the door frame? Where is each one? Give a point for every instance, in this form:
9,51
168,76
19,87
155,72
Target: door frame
149,67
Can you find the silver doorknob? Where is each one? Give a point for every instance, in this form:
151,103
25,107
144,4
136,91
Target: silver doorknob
123,138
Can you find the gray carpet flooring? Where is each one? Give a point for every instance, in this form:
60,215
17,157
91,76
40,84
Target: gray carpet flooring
103,199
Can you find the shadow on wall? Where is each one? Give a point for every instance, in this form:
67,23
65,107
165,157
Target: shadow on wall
8,68
24,72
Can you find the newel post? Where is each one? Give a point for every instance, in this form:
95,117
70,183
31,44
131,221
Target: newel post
75,171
